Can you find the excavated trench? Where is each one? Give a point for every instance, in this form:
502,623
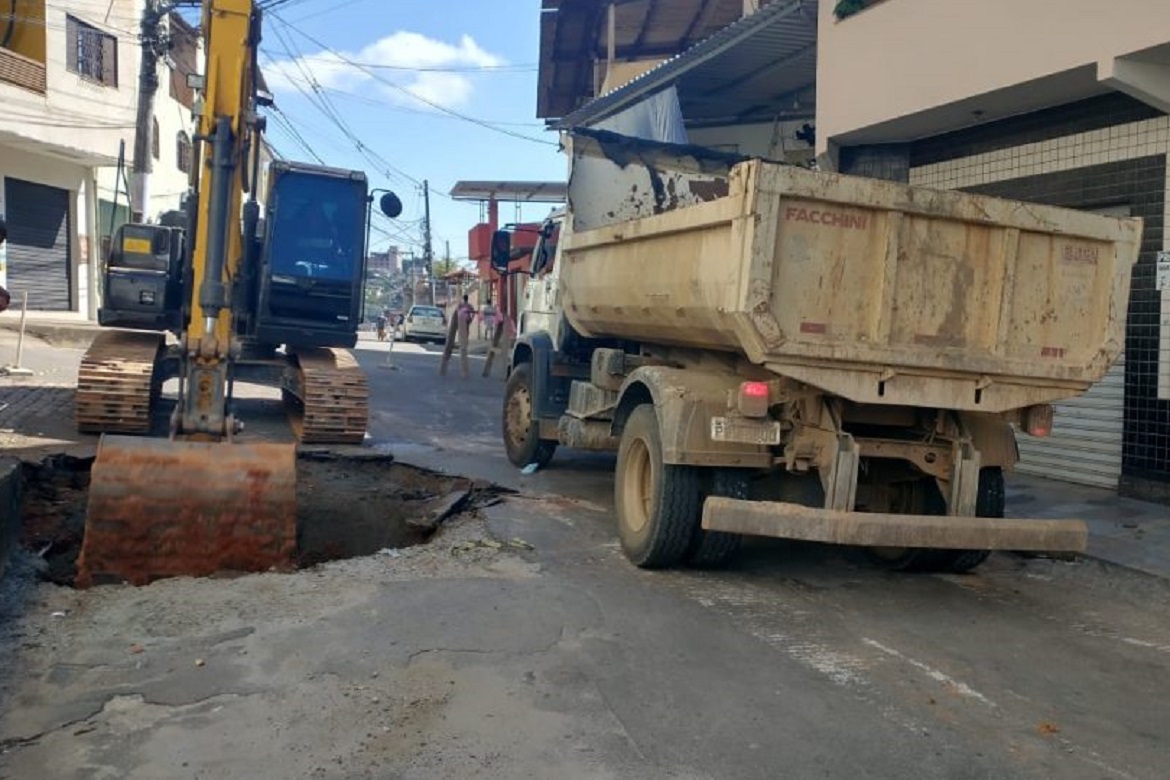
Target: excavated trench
347,506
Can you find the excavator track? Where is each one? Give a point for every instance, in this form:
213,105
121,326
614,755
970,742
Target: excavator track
115,383
333,395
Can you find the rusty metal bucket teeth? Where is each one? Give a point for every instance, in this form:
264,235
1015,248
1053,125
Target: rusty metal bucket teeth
160,508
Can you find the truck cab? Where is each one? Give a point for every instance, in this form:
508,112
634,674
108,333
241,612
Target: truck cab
539,308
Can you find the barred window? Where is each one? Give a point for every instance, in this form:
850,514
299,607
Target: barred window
183,152
92,54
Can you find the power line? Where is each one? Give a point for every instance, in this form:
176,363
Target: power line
277,65
525,68
290,129
322,103
437,106
328,9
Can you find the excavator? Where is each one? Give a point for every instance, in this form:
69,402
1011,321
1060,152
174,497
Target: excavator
266,294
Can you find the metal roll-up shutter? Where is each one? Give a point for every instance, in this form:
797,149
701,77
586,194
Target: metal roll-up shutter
1085,445
38,244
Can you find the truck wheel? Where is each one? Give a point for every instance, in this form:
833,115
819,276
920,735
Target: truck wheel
521,437
711,549
657,505
990,503
921,497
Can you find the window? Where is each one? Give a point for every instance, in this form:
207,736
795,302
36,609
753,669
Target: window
92,54
183,152
154,142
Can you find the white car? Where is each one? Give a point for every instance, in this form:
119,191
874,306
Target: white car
425,323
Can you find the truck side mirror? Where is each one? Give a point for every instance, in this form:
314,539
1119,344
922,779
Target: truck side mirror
391,205
501,250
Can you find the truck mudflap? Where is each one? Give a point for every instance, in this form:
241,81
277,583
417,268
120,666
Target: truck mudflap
811,524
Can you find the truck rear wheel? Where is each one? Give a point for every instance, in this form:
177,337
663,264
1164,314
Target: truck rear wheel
990,503
521,434
928,500
711,549
657,504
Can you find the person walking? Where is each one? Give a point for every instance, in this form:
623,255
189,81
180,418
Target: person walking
381,324
488,315
464,315
5,298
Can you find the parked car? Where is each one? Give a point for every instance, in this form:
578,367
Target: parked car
425,323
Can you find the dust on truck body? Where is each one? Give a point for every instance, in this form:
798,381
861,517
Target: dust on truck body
782,352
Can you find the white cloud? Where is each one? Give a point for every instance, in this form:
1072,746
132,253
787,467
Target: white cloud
434,70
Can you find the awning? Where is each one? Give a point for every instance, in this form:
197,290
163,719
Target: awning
759,68
511,191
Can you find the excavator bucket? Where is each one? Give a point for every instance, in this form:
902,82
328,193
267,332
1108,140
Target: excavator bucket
160,508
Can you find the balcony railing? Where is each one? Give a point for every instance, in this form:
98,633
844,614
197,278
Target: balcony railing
22,71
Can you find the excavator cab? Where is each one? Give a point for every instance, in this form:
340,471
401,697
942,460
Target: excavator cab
311,268
143,284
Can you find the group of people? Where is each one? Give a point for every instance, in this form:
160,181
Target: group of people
387,320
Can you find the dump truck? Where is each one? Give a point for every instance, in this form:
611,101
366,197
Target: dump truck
783,352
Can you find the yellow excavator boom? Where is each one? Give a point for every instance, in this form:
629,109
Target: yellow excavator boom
198,503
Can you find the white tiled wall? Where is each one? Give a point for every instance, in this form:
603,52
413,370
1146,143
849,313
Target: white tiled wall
1146,138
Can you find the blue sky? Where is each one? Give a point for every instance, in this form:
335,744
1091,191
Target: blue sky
475,58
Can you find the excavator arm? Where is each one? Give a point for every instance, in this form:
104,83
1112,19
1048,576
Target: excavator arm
227,131
199,503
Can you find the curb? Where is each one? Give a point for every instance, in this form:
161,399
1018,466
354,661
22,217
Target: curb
56,333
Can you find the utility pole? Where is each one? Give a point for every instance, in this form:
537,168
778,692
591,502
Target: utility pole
447,269
154,46
428,251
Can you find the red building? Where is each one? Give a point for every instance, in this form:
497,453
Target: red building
490,195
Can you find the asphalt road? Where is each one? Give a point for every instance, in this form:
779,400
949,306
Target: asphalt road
565,661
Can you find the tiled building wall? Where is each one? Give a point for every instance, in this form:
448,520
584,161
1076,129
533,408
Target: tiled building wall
1104,152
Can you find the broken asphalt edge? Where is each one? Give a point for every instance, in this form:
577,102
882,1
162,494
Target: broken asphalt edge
10,497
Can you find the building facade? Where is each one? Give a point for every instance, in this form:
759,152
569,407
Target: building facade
171,144
1069,109
68,87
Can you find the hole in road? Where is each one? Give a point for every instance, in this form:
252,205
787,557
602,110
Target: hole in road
347,507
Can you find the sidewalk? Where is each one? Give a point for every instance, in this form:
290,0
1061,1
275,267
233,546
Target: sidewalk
60,329
1130,533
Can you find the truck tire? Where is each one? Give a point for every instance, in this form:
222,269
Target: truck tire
923,498
657,505
990,503
712,549
522,439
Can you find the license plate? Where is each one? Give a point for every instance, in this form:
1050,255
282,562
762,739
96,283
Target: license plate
766,432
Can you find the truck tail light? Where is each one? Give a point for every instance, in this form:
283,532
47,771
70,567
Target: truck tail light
1037,420
754,399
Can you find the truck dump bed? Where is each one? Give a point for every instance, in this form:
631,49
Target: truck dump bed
874,291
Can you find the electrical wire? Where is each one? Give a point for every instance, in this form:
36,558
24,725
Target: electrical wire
525,68
410,93
276,65
321,101
290,129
